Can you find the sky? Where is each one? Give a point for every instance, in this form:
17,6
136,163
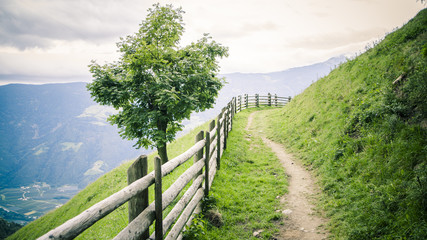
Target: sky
46,41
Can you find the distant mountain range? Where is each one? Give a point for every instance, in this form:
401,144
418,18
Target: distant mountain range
55,139
56,134
284,83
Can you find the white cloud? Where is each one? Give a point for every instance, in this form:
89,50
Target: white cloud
30,23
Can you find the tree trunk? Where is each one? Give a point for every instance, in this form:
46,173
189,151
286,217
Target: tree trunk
163,154
161,147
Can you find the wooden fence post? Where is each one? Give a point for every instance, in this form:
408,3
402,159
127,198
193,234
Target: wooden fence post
234,105
289,98
139,202
231,114
257,99
158,198
199,154
211,125
237,104
269,99
218,141
207,157
247,100
225,129
275,100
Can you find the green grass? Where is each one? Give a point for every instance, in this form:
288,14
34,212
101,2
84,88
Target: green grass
105,186
367,138
246,187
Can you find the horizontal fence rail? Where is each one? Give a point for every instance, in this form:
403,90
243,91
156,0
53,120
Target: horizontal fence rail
207,151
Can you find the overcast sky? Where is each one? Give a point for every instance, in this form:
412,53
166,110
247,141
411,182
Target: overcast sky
54,40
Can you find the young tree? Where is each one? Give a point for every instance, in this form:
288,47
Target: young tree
156,84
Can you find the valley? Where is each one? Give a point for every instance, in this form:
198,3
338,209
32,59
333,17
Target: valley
27,203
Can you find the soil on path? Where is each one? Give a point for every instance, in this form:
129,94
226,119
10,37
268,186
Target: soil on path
301,221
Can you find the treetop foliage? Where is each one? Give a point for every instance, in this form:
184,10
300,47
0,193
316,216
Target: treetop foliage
156,83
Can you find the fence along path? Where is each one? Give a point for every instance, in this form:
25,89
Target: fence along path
207,152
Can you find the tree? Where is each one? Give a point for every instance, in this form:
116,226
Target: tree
156,84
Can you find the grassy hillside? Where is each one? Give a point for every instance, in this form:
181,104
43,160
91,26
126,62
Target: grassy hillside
364,129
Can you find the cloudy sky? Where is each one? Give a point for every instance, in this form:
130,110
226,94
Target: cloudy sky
54,40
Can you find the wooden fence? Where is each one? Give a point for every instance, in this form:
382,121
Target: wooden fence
256,100
207,152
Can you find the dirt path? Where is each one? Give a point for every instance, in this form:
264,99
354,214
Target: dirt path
301,220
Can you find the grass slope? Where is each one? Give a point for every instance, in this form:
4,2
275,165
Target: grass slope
364,129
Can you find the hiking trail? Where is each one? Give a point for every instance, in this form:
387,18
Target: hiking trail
301,221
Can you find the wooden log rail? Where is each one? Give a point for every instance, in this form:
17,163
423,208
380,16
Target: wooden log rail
207,151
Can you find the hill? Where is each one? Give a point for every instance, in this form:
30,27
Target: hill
363,128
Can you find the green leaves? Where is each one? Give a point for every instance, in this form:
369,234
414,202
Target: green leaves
163,26
156,83
106,87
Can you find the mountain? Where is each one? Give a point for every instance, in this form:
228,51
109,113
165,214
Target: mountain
54,140
55,134
285,83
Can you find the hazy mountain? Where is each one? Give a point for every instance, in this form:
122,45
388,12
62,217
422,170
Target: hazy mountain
284,83
55,134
